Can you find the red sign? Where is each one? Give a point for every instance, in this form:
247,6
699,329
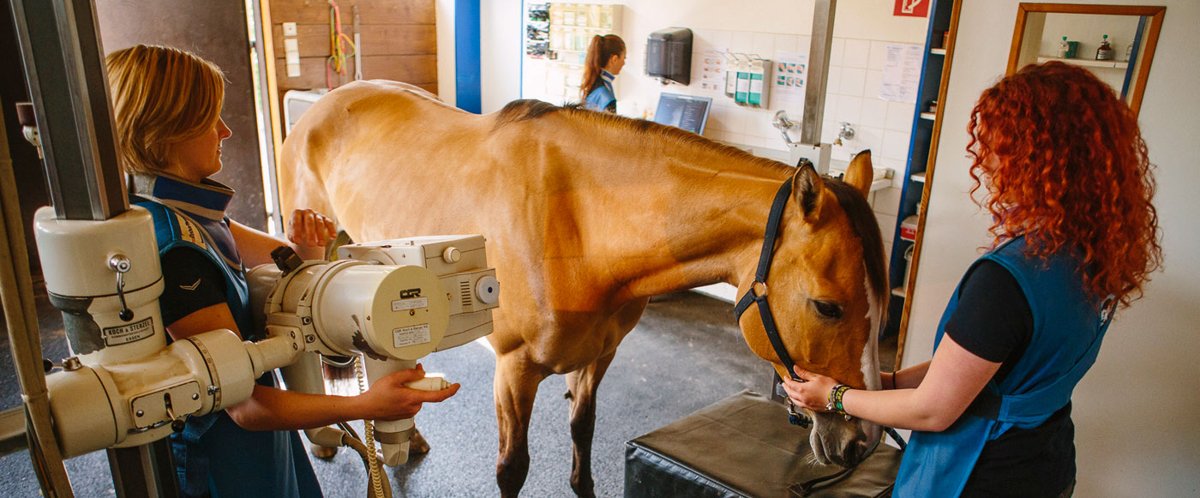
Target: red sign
912,8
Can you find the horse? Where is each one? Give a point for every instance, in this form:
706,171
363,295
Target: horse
586,216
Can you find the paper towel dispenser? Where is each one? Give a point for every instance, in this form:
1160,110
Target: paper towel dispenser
669,55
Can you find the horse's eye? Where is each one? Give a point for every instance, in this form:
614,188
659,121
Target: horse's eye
828,310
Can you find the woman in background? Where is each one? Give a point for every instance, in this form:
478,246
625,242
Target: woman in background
1069,189
605,58
167,108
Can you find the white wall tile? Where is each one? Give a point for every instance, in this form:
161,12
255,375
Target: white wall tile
764,45
787,43
720,39
853,81
895,145
878,55
868,137
831,107
741,41
857,54
836,49
887,201
887,254
849,108
833,84
874,112
887,227
900,116
874,82
829,130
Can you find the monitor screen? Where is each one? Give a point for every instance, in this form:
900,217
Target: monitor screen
688,112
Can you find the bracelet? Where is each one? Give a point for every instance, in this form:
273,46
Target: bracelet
835,399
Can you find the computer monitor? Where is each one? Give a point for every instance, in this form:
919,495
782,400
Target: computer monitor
689,112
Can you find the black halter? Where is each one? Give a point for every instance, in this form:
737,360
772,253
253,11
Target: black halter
753,294
764,310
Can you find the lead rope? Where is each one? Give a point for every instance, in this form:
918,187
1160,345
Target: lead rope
368,433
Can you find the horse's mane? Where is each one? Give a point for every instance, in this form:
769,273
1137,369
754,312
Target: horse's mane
528,109
866,226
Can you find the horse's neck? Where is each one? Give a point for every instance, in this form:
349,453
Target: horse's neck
698,220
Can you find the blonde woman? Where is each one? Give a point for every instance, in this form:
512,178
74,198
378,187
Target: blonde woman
167,105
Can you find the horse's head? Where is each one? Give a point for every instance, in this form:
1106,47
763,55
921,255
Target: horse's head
827,293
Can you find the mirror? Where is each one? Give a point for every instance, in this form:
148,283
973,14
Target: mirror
1114,42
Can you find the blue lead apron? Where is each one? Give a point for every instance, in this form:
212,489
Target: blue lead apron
603,95
1068,328
213,456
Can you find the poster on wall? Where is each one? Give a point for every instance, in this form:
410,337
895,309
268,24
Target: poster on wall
791,77
712,72
901,72
912,8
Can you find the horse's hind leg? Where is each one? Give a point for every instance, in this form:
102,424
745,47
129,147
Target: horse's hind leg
516,385
582,384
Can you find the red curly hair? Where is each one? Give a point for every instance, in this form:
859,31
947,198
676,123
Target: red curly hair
1065,166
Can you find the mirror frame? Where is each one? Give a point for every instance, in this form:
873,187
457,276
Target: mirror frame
1154,13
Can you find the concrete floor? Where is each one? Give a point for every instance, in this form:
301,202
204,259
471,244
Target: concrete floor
685,354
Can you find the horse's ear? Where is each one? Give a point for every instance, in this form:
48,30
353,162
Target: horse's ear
860,174
807,187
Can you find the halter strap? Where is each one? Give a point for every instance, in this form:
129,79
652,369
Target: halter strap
760,279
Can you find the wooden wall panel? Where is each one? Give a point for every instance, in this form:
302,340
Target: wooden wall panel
419,70
399,41
377,39
371,11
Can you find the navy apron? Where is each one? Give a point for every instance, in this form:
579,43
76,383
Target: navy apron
1068,327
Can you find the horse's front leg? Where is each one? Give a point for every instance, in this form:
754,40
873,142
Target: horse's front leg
582,385
516,384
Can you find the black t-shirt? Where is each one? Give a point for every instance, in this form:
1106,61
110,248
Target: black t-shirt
994,322
191,282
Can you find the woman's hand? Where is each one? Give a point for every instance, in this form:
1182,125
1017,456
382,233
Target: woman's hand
811,392
389,399
309,228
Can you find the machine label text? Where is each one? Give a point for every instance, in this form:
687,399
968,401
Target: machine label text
410,293
408,336
125,334
410,304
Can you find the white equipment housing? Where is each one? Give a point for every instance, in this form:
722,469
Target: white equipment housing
394,302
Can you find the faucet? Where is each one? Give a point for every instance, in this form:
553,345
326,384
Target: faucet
846,132
784,125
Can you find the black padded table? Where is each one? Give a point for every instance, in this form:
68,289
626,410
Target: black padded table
744,446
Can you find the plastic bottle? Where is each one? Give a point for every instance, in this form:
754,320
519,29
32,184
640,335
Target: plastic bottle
1063,48
1105,51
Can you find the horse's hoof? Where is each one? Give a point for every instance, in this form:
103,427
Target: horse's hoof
322,452
417,445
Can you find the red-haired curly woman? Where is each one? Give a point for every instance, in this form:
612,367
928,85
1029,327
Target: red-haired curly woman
1068,185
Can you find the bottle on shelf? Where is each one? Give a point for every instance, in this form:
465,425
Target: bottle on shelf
1105,52
1064,48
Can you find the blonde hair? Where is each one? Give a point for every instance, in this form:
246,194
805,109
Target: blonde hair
161,96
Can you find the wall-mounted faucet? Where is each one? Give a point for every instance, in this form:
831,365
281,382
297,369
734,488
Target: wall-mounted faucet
846,132
784,125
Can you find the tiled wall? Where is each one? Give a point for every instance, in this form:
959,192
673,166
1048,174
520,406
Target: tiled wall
852,95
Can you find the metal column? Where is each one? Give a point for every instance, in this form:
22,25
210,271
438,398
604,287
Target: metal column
64,67
818,71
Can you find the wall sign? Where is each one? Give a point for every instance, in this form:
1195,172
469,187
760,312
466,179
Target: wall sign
912,8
